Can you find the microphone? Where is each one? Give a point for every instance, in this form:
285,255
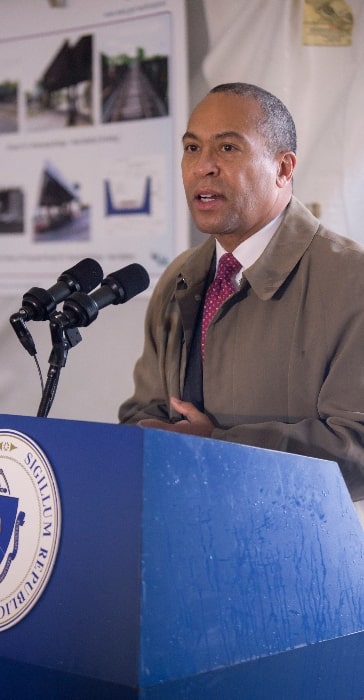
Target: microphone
38,304
81,309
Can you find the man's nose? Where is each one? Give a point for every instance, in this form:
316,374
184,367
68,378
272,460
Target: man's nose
207,163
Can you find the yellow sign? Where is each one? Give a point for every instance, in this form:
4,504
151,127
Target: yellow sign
327,23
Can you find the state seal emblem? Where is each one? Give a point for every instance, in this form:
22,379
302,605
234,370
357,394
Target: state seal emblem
30,525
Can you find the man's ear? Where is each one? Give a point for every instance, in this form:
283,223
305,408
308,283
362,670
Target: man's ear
286,166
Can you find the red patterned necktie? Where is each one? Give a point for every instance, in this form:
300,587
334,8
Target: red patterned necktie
219,290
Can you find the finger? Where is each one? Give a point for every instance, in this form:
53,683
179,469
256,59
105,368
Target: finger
185,408
152,423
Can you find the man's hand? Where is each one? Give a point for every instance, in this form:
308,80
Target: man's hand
194,423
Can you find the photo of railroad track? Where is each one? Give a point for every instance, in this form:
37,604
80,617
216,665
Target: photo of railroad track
134,73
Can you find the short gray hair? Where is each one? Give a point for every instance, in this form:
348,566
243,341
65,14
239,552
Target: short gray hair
276,125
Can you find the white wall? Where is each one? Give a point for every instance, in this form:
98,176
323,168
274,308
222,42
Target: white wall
262,42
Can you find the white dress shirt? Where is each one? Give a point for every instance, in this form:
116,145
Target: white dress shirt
250,250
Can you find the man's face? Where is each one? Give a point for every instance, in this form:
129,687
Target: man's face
230,178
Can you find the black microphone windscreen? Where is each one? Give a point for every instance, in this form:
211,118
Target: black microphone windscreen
86,275
132,280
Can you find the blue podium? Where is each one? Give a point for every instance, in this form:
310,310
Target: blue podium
190,569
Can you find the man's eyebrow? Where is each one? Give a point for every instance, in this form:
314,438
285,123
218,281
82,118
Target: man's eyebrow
230,135
189,135
218,136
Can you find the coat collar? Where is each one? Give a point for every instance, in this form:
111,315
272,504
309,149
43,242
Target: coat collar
272,268
284,251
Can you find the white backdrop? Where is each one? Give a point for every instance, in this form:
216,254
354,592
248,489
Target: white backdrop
323,86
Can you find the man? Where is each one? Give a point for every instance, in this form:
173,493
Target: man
281,363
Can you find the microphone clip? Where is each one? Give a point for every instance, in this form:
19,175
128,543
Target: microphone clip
62,340
18,323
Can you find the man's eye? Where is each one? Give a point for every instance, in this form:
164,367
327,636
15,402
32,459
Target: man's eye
227,147
190,147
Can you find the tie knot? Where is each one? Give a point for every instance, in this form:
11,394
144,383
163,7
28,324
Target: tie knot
227,267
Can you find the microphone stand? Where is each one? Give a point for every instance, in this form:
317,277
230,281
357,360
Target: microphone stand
62,340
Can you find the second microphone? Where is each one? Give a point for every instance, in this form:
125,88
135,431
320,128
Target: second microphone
81,309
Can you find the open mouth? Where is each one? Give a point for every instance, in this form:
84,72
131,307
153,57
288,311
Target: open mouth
207,197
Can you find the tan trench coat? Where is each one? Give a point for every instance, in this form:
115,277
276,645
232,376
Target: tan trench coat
284,359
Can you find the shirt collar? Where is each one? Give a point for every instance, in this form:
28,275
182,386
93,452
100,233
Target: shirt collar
250,250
